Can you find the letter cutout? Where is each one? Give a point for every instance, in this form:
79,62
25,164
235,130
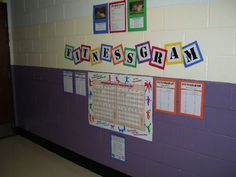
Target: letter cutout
69,52
174,53
117,54
105,52
143,52
158,57
95,56
192,54
85,52
130,57
77,56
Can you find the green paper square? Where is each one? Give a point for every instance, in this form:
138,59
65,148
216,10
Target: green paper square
134,64
65,54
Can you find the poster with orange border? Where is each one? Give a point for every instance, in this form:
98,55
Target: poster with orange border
165,95
191,98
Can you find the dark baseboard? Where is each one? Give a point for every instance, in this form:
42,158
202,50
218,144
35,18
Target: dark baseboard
91,165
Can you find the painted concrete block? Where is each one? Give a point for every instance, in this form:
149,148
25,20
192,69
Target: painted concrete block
40,45
221,121
49,60
34,59
222,13
55,13
184,16
47,30
38,16
213,42
65,28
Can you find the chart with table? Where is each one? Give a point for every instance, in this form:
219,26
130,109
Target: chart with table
122,103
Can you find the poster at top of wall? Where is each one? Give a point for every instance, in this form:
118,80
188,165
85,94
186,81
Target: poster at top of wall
117,16
137,15
100,19
121,103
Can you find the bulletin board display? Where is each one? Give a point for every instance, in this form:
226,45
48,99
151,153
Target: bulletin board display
121,103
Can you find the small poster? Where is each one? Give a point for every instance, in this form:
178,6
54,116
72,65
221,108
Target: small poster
191,96
137,15
117,16
80,83
118,147
165,95
68,81
100,19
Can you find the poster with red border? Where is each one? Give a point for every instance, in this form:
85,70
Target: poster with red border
165,95
117,16
191,98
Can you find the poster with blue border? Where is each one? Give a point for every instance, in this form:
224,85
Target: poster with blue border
100,18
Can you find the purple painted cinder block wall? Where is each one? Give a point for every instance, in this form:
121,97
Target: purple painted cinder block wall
181,147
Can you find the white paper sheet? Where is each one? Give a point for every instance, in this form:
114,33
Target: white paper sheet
68,81
118,148
80,83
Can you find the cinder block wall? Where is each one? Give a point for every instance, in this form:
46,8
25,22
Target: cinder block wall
182,146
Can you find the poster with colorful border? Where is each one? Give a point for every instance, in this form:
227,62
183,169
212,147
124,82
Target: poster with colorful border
137,15
121,103
117,16
100,18
191,98
165,95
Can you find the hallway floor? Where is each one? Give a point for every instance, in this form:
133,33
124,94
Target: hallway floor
20,157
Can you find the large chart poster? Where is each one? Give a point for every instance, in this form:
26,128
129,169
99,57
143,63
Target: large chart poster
121,103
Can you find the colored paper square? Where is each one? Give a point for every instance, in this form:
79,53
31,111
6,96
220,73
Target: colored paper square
174,53
85,52
77,56
105,53
95,56
130,57
143,52
117,54
68,53
158,57
192,54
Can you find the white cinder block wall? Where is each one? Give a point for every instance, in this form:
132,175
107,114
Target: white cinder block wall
41,28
